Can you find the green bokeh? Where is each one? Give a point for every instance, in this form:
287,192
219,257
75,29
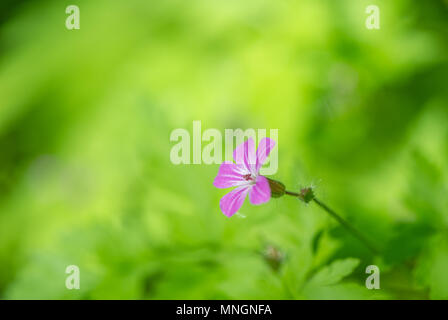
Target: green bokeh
85,171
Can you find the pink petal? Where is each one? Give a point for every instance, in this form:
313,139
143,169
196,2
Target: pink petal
245,154
260,192
233,201
264,148
230,175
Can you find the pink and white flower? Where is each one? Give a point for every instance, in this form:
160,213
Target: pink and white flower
244,175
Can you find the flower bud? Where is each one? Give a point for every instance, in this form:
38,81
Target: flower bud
277,188
306,194
273,256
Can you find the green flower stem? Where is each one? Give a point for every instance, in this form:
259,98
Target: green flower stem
307,195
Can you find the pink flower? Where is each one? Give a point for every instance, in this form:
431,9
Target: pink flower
244,175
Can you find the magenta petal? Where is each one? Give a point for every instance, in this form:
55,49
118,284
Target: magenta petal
233,201
230,175
260,192
264,148
244,154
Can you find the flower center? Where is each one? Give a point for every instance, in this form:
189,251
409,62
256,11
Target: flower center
249,177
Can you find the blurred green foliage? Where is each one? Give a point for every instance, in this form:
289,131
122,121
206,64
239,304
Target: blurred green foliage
85,120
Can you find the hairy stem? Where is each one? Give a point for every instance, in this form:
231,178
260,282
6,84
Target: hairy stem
347,225
307,195
294,194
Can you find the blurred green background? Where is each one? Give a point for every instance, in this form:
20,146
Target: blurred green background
85,173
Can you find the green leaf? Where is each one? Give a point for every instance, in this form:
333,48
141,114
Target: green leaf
334,273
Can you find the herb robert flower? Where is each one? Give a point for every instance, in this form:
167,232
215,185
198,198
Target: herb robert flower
244,175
